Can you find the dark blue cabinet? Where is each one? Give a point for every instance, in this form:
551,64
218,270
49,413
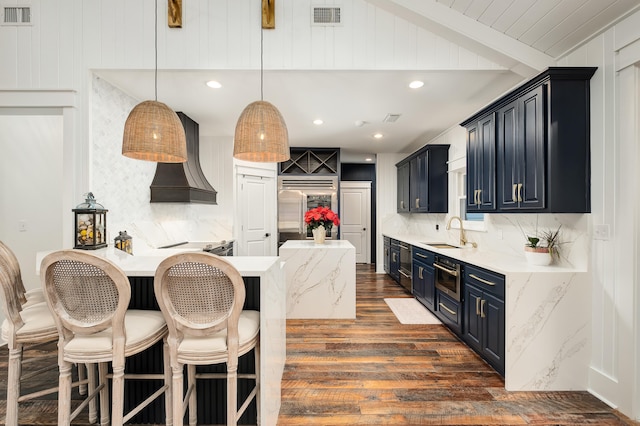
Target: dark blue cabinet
423,184
387,255
538,138
484,315
481,165
394,259
521,152
423,277
403,187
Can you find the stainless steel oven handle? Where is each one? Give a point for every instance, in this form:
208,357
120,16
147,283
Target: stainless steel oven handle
447,270
405,275
404,247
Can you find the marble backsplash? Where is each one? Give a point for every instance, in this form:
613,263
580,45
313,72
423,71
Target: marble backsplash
504,233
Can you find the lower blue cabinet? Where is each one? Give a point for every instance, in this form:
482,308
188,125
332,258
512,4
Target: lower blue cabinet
484,315
423,277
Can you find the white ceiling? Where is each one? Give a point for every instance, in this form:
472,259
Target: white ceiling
544,29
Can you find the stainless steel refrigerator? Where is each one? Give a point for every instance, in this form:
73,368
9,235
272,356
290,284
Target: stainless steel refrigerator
296,195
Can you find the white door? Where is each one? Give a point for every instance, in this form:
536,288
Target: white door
355,217
256,196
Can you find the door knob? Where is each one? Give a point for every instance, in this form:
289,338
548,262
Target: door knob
364,229
267,234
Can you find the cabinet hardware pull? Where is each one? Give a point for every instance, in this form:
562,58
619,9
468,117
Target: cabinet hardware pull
475,277
402,204
417,203
420,269
421,255
513,192
519,192
394,257
479,196
447,309
482,315
478,306
449,271
475,197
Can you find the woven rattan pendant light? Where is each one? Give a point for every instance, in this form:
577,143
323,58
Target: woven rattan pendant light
261,133
153,131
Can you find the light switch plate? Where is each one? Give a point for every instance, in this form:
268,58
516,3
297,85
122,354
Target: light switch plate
601,232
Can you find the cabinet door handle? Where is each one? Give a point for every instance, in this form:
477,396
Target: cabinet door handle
420,255
478,306
402,204
519,192
442,305
482,315
479,197
417,203
420,269
394,257
513,192
475,277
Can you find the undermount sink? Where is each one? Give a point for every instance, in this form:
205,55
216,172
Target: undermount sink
441,245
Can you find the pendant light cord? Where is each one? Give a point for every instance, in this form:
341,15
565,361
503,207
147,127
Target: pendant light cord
156,54
261,62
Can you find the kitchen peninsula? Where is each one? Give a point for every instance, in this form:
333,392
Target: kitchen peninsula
266,292
321,279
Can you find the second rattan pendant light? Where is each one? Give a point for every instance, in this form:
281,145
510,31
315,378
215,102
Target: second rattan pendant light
261,133
153,131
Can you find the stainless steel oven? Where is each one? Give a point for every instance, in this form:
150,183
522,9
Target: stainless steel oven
448,277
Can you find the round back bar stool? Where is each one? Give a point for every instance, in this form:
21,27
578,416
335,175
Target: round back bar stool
201,296
88,296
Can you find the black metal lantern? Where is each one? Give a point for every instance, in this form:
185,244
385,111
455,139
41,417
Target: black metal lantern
90,224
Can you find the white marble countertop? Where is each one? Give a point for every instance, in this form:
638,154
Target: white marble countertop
309,244
145,263
497,262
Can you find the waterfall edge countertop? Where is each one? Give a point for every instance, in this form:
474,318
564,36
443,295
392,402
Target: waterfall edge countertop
321,279
272,310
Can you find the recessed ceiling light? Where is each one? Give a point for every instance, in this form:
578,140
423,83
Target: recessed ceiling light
318,122
416,84
214,84
368,159
377,135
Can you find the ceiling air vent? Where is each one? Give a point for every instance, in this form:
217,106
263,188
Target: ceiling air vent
322,15
391,118
16,15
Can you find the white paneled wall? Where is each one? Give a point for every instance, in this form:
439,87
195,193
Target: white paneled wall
70,36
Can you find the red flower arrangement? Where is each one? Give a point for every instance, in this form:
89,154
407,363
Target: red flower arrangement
321,216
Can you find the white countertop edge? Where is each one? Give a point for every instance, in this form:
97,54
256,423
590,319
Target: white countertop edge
497,262
145,264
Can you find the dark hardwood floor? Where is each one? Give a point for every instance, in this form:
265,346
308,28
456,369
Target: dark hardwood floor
374,370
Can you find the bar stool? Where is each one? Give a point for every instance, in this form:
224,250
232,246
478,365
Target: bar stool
201,296
88,296
28,324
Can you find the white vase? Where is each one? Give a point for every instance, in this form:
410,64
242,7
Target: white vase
539,256
319,234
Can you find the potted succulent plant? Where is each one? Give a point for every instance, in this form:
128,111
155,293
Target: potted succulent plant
541,249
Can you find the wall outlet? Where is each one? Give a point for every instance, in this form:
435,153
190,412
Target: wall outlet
437,227
22,226
601,232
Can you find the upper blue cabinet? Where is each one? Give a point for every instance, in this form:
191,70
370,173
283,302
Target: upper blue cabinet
529,150
422,181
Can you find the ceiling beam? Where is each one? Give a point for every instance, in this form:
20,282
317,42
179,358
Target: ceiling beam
469,34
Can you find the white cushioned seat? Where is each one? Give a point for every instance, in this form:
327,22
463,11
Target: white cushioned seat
248,329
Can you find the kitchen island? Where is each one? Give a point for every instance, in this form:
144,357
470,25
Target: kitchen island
266,292
321,279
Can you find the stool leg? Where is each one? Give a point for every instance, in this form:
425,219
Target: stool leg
13,385
176,383
168,400
90,372
104,393
232,391
193,397
117,393
64,393
82,374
